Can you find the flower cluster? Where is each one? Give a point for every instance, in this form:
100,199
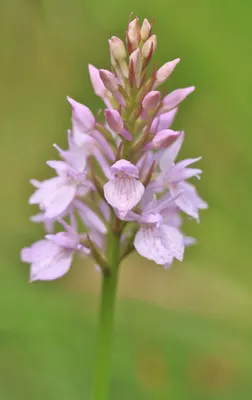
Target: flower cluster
119,172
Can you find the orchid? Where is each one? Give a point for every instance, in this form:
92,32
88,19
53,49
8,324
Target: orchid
118,187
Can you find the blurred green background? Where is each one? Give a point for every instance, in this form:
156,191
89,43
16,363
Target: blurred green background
181,334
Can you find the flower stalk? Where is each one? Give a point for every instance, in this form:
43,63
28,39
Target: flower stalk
106,320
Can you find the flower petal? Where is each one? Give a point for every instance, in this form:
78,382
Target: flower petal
64,239
126,167
174,98
82,117
170,154
149,244
37,251
123,193
90,218
56,264
163,121
104,145
189,200
160,244
56,201
174,240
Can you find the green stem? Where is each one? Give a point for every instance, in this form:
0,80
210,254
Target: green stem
105,329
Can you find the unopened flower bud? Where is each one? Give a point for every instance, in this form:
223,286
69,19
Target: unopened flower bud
151,100
117,48
109,80
133,34
164,138
136,59
150,43
165,71
96,81
145,30
81,116
174,98
118,55
114,120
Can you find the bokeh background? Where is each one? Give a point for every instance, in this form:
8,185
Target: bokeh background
182,334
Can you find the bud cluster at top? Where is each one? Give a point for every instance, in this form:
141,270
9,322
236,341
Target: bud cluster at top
119,174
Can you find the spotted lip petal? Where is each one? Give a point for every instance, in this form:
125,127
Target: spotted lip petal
149,244
123,193
160,244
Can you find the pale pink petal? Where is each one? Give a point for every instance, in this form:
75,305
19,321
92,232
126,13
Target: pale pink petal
102,162
181,174
104,145
165,71
126,167
105,210
76,157
44,188
96,81
123,193
150,244
189,200
61,167
26,254
54,266
97,238
173,240
189,241
174,98
163,121
193,194
38,251
81,116
170,154
64,239
82,190
148,201
48,223
35,183
159,243
164,138
187,161
90,218
57,201
144,164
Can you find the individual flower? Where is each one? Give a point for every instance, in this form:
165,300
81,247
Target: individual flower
55,195
124,190
51,257
173,177
157,239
